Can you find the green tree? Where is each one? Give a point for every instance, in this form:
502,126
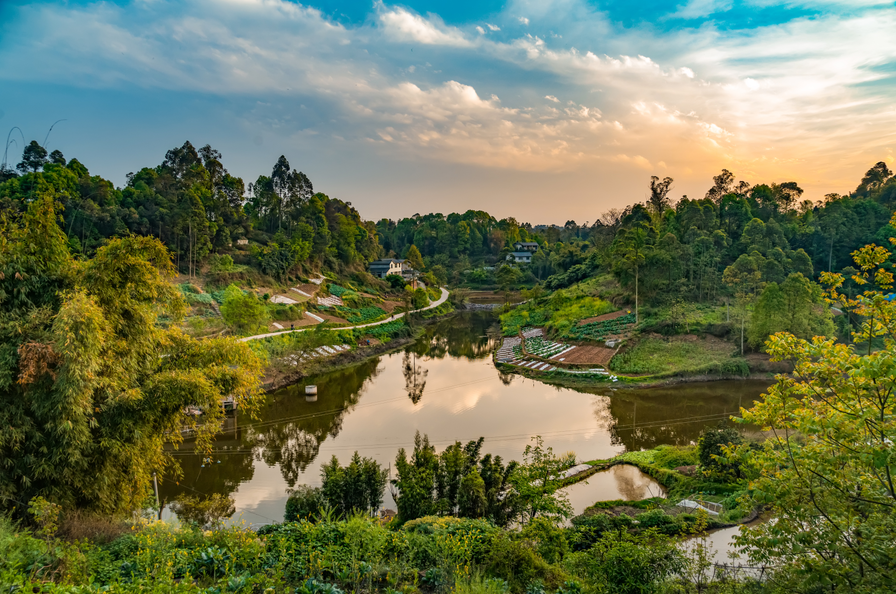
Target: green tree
91,384
243,312
358,487
537,481
472,502
34,157
796,306
745,279
414,259
632,249
711,454
827,470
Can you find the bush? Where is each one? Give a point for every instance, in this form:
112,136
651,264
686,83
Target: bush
712,458
396,281
671,457
304,503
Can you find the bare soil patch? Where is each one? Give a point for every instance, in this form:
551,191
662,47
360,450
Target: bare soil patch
390,306
610,316
309,288
331,318
587,355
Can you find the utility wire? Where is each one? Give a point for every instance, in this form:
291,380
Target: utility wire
489,439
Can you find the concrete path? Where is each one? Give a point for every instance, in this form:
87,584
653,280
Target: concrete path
432,305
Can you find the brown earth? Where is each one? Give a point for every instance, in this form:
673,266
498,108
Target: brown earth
390,306
586,355
609,316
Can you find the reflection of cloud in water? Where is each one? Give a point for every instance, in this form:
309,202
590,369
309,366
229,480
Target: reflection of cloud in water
622,481
366,408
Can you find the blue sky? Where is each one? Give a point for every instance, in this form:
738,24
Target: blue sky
547,111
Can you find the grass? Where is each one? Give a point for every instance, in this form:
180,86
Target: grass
557,313
662,356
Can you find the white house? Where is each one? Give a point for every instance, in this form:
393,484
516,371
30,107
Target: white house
520,257
383,268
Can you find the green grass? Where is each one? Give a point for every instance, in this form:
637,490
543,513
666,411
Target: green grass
557,313
656,356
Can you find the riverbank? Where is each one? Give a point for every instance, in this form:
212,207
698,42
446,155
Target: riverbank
277,376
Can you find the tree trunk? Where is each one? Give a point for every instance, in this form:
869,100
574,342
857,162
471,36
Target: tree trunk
831,255
636,294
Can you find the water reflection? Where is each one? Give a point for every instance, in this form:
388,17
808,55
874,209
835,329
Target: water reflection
622,481
446,386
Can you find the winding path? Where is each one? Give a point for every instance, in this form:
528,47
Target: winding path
432,305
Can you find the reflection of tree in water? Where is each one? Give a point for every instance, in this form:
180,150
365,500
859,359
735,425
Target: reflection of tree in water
220,472
414,376
602,414
463,335
291,430
646,418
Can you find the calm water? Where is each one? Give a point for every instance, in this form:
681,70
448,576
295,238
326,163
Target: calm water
444,386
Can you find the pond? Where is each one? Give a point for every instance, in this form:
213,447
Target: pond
622,481
446,386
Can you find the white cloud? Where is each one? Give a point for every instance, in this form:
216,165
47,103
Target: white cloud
493,27
771,100
403,25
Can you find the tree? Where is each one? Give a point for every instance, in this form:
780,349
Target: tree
723,184
796,306
875,177
632,249
91,385
827,471
414,259
745,279
537,480
244,312
658,201
358,487
711,453
34,157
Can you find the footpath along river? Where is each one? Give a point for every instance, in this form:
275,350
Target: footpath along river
446,386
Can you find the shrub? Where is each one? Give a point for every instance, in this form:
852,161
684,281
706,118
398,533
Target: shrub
304,503
671,457
712,458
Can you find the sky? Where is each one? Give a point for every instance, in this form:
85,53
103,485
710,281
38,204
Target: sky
544,110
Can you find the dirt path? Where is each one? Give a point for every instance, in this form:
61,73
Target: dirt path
432,305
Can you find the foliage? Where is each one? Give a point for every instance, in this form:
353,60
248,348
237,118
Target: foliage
362,315
91,385
826,471
657,356
357,487
627,564
459,481
796,306
244,311
205,512
537,481
304,503
711,451
601,329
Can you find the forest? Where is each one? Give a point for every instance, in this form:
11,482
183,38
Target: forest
112,302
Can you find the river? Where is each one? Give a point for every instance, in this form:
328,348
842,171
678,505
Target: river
445,386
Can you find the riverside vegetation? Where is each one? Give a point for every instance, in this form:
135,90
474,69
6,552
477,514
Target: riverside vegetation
100,367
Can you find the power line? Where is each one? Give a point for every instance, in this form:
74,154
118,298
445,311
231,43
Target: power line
490,439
